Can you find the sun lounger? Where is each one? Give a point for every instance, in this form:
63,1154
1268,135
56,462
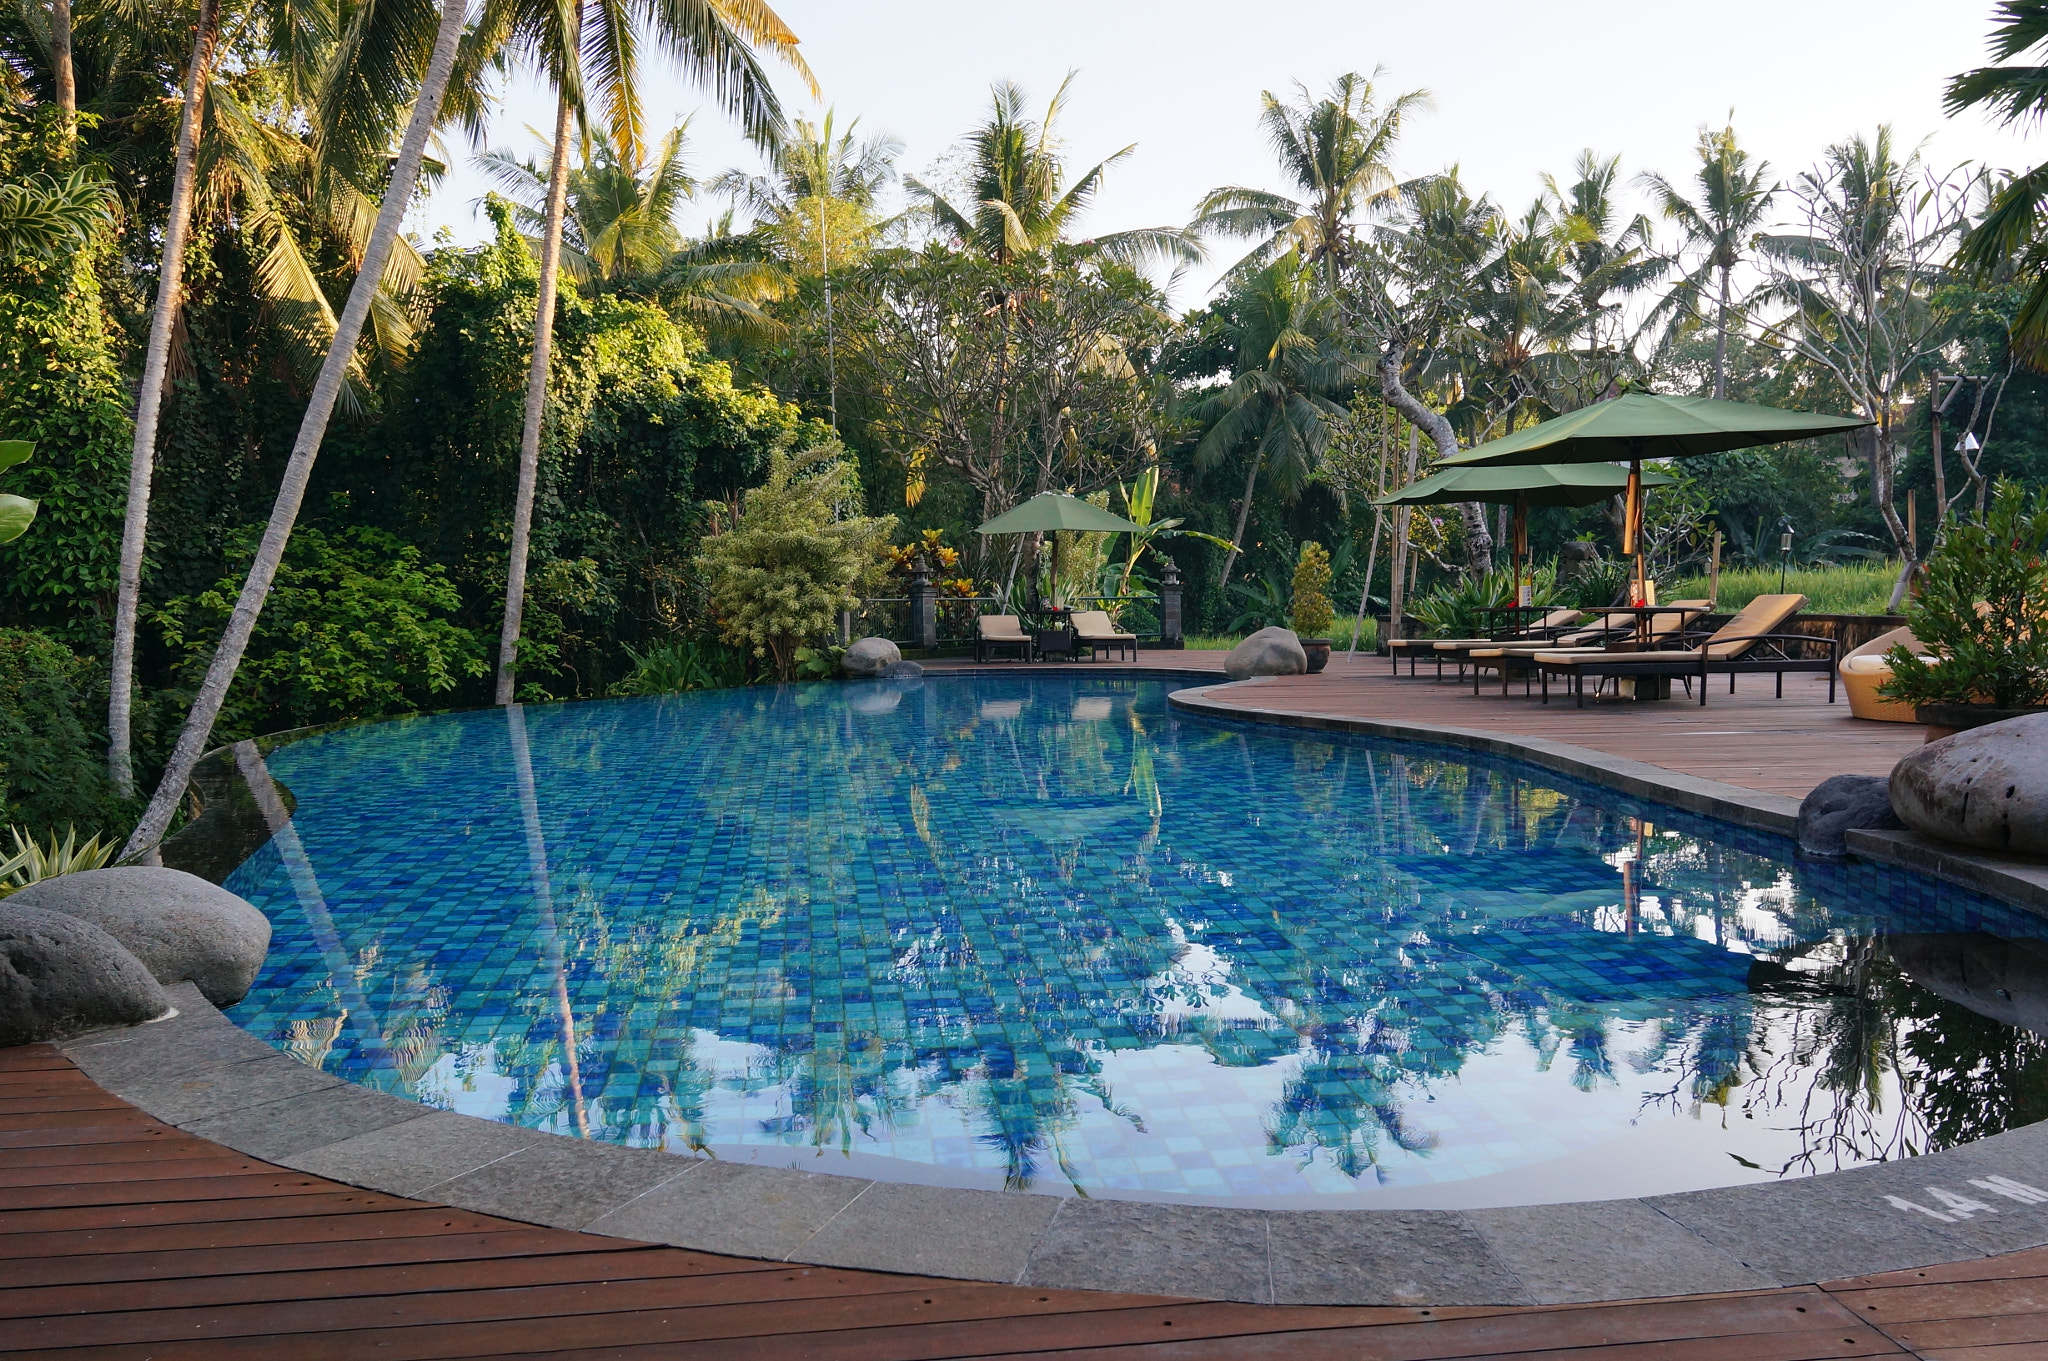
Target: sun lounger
1865,669
1753,641
995,634
1545,628
1439,648
1093,630
1511,658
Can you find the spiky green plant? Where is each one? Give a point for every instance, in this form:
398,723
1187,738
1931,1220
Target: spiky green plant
33,861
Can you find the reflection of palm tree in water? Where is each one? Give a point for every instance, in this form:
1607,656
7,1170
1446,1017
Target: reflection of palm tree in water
552,958
1342,1100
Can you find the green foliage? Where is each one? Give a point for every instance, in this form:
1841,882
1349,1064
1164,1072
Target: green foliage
1606,583
52,742
1983,611
1453,610
1262,602
797,556
62,392
357,626
1853,588
17,513
819,663
678,664
1311,611
33,862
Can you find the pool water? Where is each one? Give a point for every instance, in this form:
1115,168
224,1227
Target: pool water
1042,933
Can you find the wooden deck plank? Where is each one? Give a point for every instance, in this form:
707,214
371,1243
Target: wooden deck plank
205,1263
336,1200
16,1175
341,1219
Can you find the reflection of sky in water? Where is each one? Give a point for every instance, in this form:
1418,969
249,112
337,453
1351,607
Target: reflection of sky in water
1038,932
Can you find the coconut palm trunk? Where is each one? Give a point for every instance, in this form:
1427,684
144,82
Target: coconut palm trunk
1244,514
1721,342
536,403
149,403
63,75
1478,539
227,658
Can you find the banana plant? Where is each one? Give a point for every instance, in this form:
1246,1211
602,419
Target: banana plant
1138,499
16,512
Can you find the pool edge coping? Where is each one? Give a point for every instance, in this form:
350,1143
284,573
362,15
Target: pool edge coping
201,1073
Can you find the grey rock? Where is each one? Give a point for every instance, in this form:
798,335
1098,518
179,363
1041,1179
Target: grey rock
60,976
1269,652
181,927
1837,805
1576,559
870,657
1986,787
902,671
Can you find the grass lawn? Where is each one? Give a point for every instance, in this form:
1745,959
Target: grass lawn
1340,638
1861,588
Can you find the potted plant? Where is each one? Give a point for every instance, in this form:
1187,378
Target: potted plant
1982,614
1310,611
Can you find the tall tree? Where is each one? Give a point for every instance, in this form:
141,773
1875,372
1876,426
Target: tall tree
387,33
1337,151
2012,231
1022,200
1282,399
1733,199
1862,273
713,41
149,403
1606,255
1414,302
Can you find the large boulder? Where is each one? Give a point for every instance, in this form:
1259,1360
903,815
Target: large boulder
1269,652
60,976
903,671
870,657
180,926
1987,787
1839,804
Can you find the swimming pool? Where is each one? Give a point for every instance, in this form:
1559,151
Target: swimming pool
1040,932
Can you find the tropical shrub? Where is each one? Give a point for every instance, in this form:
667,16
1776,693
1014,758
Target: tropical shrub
358,625
1983,611
679,664
33,861
797,556
1456,609
1311,614
52,736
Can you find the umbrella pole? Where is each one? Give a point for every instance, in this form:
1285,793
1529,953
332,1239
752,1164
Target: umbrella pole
1524,595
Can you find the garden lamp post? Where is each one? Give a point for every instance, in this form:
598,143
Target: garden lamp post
1784,550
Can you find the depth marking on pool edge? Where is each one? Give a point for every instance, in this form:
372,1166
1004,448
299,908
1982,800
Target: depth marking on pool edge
1955,1207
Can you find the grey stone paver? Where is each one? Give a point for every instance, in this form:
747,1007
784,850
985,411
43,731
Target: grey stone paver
563,1183
279,1129
1606,1250
1147,1249
938,1231
1386,1257
406,1158
182,1096
727,1207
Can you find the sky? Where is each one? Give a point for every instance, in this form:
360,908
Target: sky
1518,89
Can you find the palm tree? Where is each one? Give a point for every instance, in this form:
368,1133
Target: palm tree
1337,152
1022,200
385,33
226,160
1733,199
620,235
2011,232
713,41
834,180
1290,369
1604,255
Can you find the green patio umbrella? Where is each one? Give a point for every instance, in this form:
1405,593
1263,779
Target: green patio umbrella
1521,486
1644,425
1050,511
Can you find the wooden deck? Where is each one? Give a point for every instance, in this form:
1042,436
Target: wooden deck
121,1237
1779,746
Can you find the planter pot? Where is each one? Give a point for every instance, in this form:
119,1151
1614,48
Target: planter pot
1318,650
1943,720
